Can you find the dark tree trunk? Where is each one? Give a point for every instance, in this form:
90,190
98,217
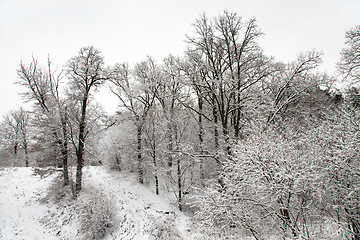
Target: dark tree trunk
201,129
118,161
26,154
237,126
64,154
170,144
156,173
16,148
226,138
139,155
285,215
81,145
179,184
201,138
154,159
64,150
178,170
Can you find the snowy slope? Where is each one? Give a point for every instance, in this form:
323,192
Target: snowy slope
140,214
20,210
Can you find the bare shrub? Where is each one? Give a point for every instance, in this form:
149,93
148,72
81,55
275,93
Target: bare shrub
164,228
95,213
89,216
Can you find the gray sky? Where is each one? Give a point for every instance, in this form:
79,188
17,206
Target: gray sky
130,30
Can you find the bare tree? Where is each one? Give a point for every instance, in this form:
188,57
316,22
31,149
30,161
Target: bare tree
289,83
152,143
15,131
85,72
349,64
22,118
234,64
10,134
43,87
136,91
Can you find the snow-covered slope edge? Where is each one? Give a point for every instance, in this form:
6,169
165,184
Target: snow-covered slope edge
28,212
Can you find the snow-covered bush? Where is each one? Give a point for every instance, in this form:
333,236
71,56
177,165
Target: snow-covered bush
89,216
164,228
268,188
337,142
96,214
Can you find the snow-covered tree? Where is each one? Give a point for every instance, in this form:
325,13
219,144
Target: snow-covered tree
336,142
42,86
86,72
269,188
226,47
349,64
15,132
136,91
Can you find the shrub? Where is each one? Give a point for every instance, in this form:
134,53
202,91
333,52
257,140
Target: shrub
164,228
89,216
95,213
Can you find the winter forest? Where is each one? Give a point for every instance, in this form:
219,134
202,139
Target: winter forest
222,142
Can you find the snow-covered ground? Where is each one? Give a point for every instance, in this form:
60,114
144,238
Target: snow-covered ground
20,210
139,213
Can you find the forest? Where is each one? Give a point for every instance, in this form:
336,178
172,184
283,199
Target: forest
246,146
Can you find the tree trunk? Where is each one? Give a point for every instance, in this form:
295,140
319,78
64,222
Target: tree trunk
64,154
179,184
156,173
118,161
170,144
237,113
226,138
215,121
178,172
154,159
201,139
26,153
64,151
139,155
285,214
16,148
81,145
237,126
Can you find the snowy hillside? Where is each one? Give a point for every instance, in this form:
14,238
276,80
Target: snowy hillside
33,207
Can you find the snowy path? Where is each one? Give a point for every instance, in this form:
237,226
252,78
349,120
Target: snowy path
19,207
142,212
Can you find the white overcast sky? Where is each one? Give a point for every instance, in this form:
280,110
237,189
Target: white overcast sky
130,30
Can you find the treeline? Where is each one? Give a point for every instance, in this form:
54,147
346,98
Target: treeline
249,145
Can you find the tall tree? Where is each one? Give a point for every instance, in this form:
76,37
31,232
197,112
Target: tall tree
86,72
234,64
43,87
136,91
